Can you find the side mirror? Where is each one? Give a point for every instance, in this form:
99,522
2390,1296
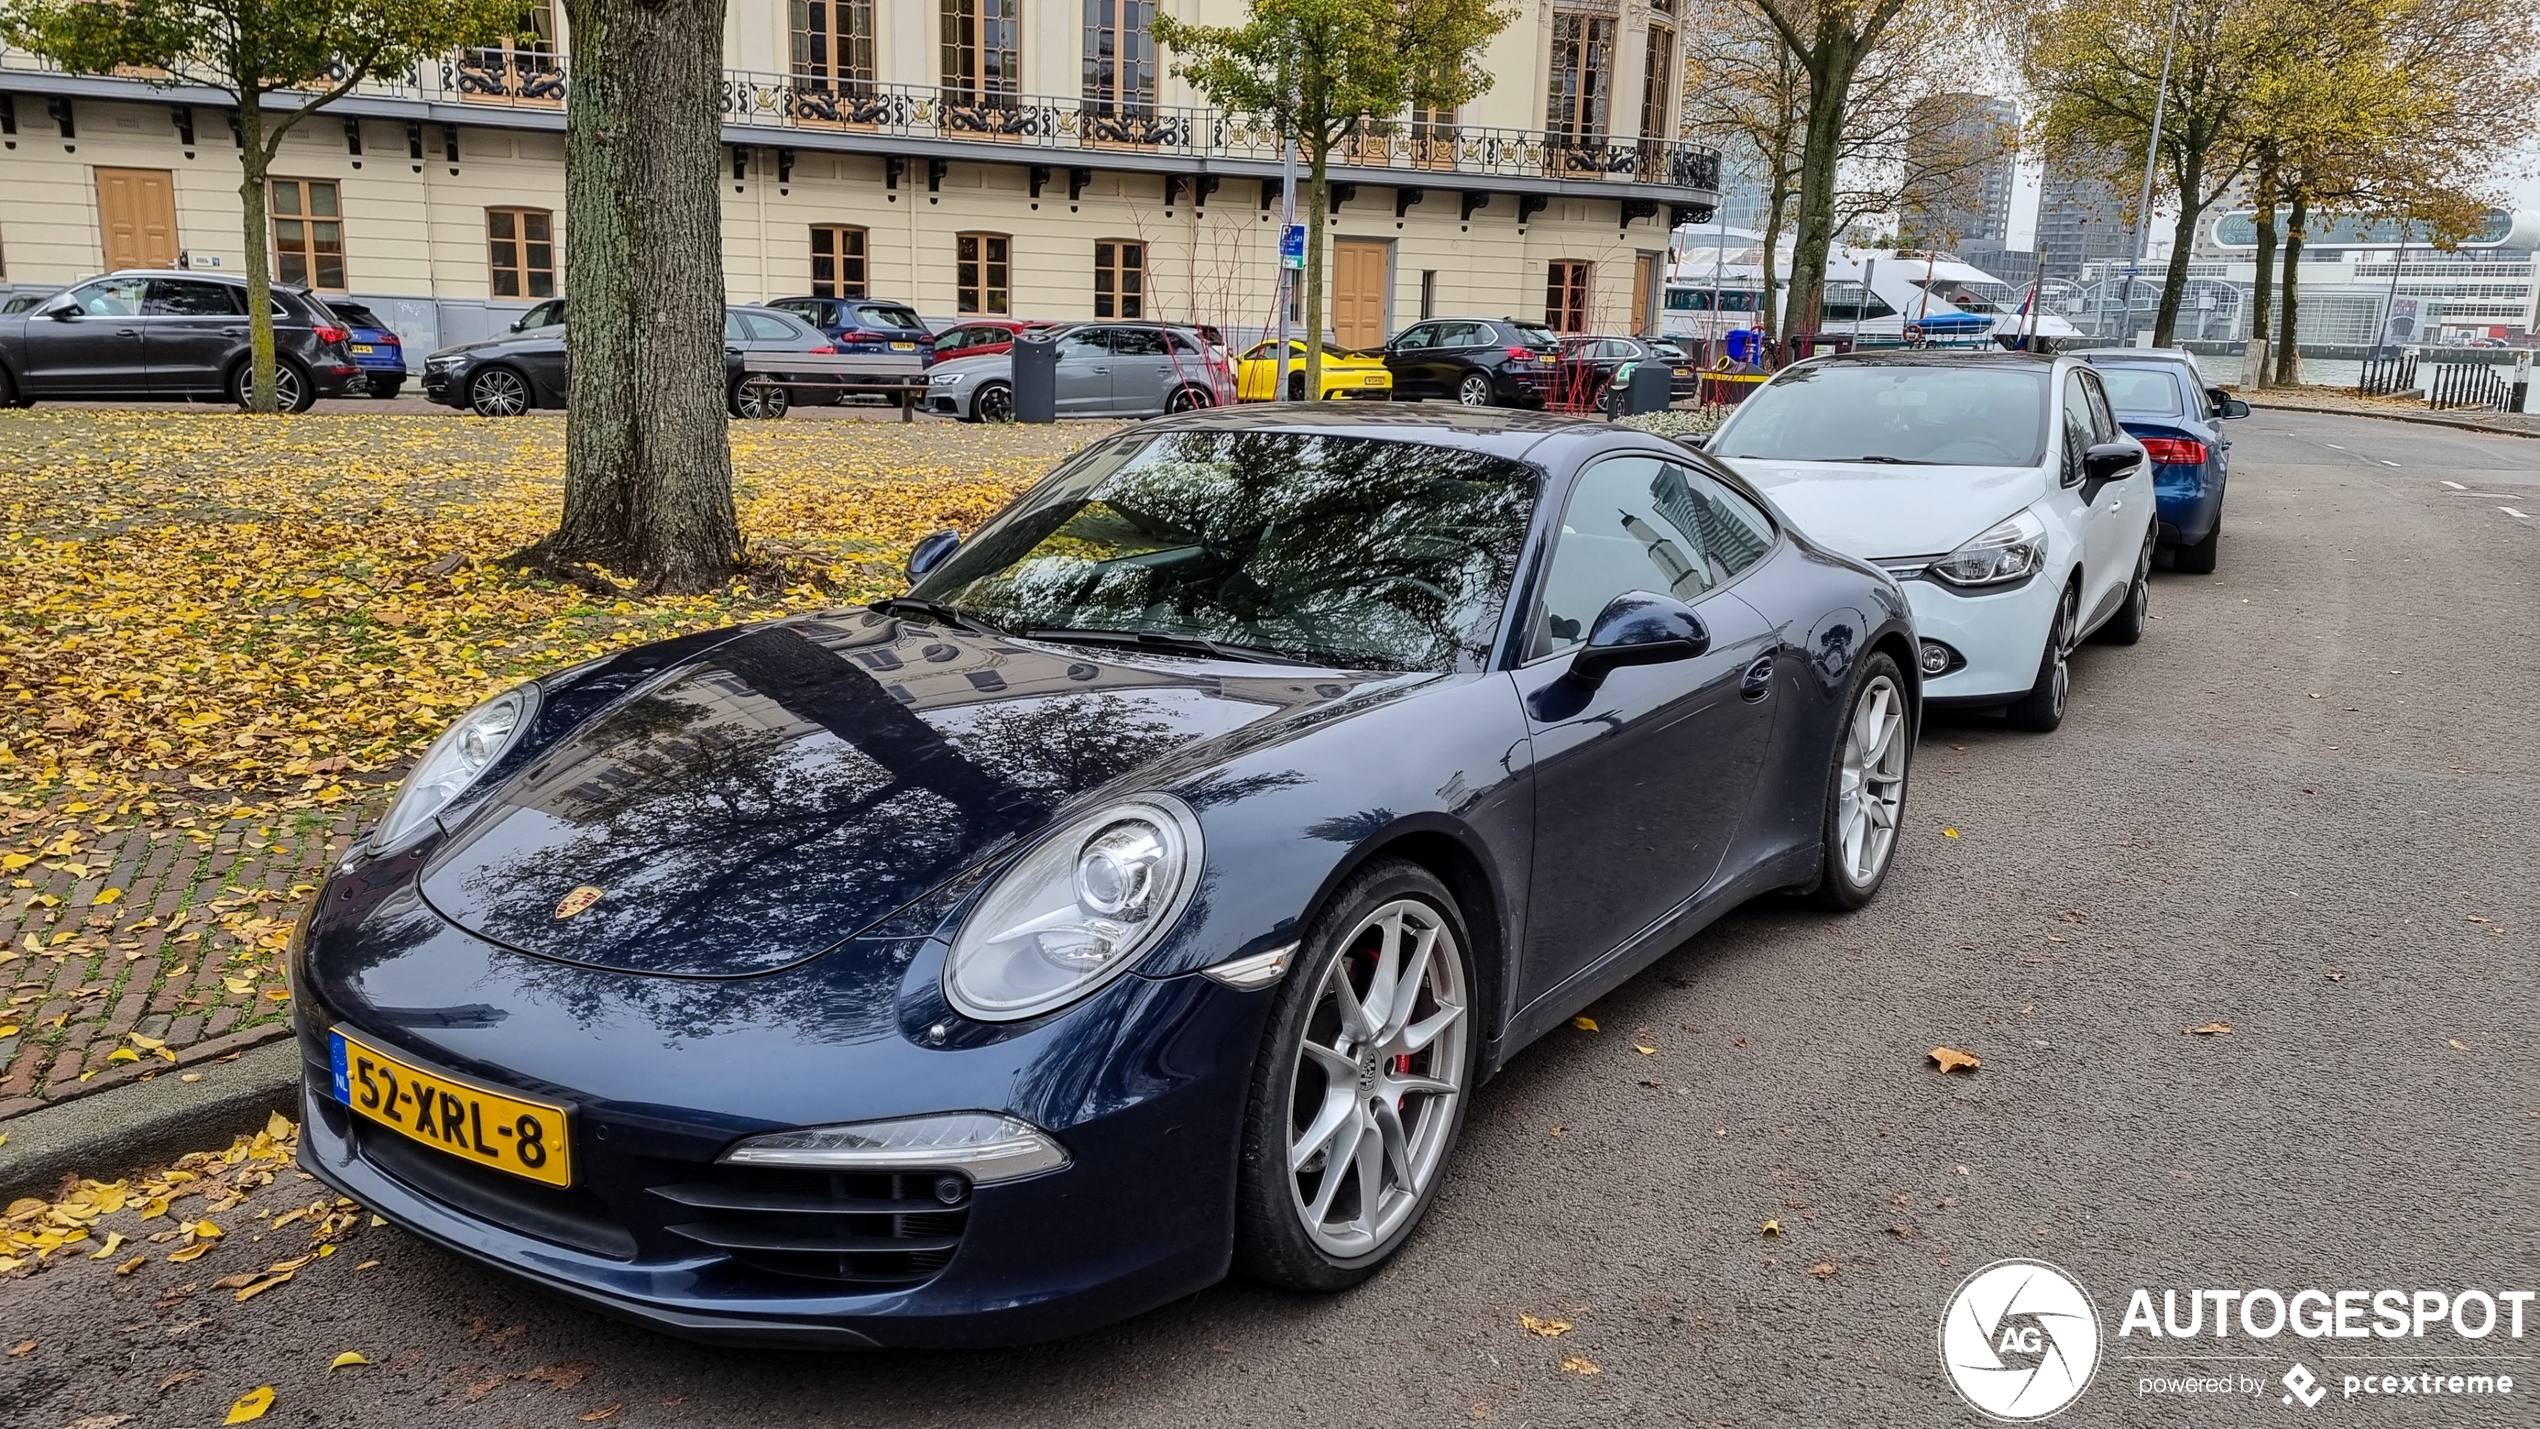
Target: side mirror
2109,461
1638,628
1699,441
2231,407
930,552
68,312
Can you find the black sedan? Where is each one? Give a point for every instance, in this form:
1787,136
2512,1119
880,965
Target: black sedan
1142,896
1477,362
176,335
524,366
1589,365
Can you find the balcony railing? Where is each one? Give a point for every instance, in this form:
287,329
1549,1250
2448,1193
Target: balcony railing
537,80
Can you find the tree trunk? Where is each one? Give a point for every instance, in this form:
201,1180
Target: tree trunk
252,164
2262,294
1317,196
648,465
1769,283
1828,87
2191,184
2288,355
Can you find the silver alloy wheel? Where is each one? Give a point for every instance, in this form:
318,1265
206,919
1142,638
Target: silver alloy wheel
758,397
1377,1073
1186,399
1873,782
2060,640
498,392
995,403
1474,391
286,386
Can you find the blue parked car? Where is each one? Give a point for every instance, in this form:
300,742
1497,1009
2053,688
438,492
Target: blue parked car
2162,401
377,350
866,325
1143,896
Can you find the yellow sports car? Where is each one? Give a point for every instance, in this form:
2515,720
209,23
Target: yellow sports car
1345,373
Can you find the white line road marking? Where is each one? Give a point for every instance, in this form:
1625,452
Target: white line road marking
2518,516
2385,461
2332,446
2456,486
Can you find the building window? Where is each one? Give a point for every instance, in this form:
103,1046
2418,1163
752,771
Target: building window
981,65
1120,279
521,66
837,261
1657,84
1428,293
308,234
833,45
1582,76
1119,58
1565,295
521,252
981,272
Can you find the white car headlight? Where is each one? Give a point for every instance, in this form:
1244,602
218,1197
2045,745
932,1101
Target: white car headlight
948,379
2011,551
982,1145
463,752
1076,910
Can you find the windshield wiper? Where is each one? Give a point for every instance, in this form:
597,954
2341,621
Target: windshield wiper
1161,640
1890,460
936,610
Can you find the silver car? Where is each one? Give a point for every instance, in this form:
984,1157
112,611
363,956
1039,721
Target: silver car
1104,370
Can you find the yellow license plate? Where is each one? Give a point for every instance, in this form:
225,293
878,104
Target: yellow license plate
493,1129
1371,381
361,347
903,347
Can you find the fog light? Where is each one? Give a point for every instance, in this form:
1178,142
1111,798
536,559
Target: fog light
1938,658
950,1189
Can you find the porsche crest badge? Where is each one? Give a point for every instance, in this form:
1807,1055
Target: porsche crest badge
578,900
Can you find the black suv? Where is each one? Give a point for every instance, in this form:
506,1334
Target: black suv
1479,362
170,336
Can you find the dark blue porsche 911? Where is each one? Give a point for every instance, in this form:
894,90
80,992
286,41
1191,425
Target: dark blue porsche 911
1143,895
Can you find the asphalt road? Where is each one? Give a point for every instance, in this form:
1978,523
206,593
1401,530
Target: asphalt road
2320,762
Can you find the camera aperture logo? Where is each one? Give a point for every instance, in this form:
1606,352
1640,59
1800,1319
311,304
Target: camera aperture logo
2020,1340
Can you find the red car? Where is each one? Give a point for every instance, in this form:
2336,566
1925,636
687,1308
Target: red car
981,337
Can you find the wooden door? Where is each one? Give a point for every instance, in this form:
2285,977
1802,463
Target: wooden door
136,214
1359,267
1645,295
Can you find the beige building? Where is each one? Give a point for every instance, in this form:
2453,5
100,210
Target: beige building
1026,158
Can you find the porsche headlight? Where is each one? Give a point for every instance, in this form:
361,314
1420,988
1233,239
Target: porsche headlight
455,761
2010,551
1075,911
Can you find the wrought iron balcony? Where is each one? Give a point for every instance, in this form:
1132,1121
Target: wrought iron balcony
1145,136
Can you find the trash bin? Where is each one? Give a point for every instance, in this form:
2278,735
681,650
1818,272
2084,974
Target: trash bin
1651,388
1035,378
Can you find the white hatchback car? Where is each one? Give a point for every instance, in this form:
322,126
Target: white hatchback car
1997,488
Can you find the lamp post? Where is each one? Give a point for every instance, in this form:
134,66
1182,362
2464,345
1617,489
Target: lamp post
2151,158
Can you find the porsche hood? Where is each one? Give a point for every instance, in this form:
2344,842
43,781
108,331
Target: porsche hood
783,791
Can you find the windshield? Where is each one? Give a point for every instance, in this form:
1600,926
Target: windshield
882,315
2150,390
1900,412
1339,550
1538,337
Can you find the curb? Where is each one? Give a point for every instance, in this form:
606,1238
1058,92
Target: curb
2426,420
189,1059
106,1134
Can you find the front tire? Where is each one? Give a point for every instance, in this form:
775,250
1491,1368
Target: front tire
1359,1093
1865,797
995,403
2041,710
498,392
1187,399
1474,390
2132,618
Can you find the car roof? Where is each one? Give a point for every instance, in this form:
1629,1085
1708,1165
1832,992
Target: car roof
2138,354
1498,431
1942,357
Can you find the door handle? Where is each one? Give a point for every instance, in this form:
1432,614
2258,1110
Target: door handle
1757,682
233,332
127,332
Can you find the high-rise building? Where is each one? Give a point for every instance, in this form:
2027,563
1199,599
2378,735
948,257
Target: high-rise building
1966,146
2081,212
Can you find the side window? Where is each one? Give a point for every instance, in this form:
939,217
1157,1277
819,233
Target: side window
1418,339
767,329
2077,427
177,297
113,298
732,329
2103,422
1137,342
1642,523
951,339
1085,342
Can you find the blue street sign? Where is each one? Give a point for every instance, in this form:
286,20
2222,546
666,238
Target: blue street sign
1292,245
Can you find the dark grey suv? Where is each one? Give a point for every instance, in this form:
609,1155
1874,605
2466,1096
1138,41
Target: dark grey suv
169,336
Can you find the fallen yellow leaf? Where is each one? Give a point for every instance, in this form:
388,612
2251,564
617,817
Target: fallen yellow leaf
1949,833
2212,1029
349,1357
132,1265
192,1252
114,1242
1581,1364
251,1405
123,1054
261,1286
1951,1059
1772,1228
1585,1024
604,1412
1644,1049
1549,1329
277,1125
106,896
